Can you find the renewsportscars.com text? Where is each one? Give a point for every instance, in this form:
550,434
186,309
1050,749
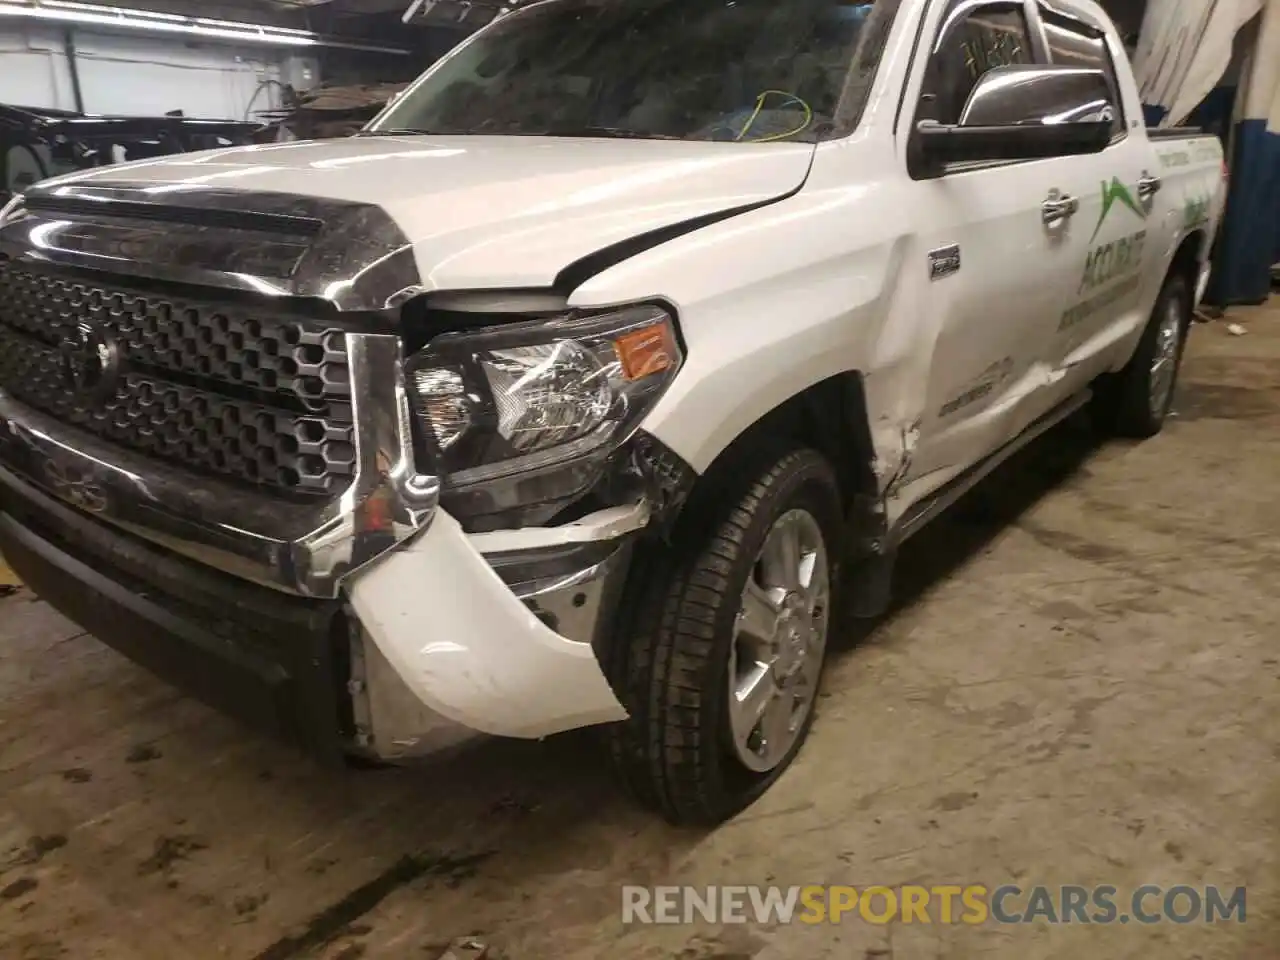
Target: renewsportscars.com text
950,903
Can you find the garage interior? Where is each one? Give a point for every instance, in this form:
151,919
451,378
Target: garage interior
1078,680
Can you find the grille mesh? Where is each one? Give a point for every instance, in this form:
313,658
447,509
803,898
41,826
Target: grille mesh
219,387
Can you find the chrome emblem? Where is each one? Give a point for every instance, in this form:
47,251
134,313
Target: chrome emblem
944,261
90,362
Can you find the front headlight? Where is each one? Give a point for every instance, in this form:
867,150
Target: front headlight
519,420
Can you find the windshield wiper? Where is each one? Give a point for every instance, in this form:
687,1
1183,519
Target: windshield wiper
397,132
619,133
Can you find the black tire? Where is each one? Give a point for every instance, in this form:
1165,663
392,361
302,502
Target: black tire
1123,404
669,665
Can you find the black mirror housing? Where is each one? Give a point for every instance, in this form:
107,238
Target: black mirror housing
941,144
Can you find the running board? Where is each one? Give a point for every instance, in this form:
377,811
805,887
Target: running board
919,515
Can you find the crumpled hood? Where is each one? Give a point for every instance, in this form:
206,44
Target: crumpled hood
486,212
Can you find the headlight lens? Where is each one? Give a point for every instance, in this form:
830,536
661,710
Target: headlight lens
523,416
549,393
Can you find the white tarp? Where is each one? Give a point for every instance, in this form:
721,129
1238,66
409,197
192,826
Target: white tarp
1184,49
1259,97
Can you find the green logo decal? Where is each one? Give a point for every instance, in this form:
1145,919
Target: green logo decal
1195,211
1111,192
1108,261
1116,260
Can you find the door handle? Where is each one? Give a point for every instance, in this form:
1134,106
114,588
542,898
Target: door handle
1148,186
1058,207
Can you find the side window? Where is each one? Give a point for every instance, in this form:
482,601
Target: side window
972,41
1077,44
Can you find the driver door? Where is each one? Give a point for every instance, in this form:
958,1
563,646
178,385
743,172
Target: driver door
995,264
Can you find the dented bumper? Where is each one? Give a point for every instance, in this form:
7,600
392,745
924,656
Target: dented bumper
376,606
513,657
430,647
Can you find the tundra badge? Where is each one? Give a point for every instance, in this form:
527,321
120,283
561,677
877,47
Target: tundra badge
944,261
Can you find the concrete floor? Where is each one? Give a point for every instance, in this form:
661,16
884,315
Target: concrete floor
1081,684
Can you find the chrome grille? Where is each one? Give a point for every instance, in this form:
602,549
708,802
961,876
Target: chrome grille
222,387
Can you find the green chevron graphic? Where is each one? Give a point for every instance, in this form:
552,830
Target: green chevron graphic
1195,211
1111,192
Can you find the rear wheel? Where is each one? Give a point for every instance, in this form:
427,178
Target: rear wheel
720,671
1137,401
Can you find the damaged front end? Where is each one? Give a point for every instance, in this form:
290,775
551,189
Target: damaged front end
313,512
531,424
504,631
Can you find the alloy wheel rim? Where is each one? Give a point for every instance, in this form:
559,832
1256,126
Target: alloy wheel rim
1164,366
780,639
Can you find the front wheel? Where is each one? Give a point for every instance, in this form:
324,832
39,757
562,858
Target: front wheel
1137,401
721,669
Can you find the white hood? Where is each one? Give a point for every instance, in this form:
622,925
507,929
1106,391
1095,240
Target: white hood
485,212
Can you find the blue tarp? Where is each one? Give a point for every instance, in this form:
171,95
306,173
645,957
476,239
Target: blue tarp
1249,242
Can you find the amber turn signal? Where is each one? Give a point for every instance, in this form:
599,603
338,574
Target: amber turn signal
647,351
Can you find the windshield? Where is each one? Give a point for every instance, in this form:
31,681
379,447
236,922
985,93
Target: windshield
733,70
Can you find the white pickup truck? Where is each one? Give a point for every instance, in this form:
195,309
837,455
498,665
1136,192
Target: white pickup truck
579,387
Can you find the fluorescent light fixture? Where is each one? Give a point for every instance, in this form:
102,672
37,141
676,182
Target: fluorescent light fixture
147,21
95,7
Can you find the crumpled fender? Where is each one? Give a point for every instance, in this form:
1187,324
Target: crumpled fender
469,649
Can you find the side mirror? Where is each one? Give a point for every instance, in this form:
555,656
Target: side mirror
1022,112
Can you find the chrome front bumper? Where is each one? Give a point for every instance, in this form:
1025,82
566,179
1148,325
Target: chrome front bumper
441,664
432,647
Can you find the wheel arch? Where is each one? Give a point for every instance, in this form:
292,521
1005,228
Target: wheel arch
829,416
1186,260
